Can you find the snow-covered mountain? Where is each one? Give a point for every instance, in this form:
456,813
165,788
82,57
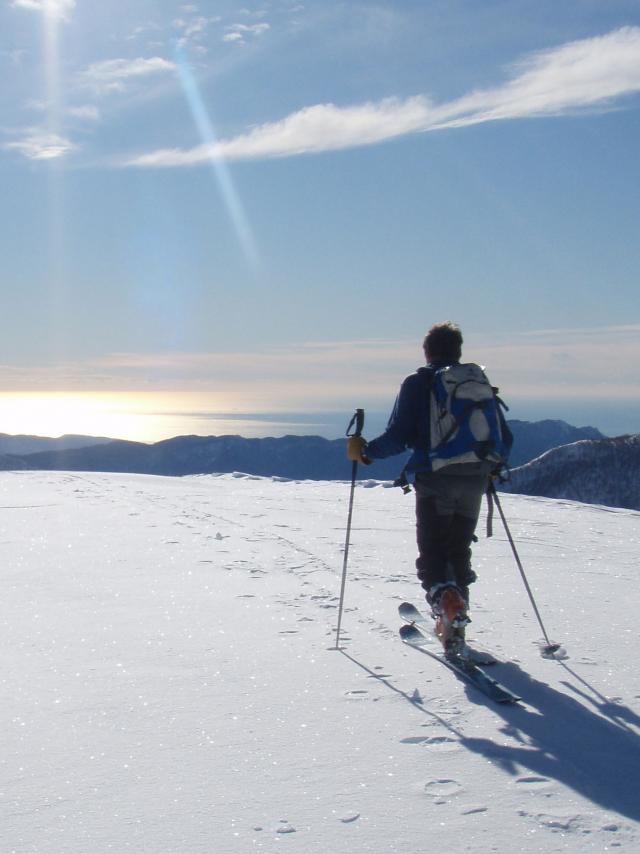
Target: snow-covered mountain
533,438
604,471
170,682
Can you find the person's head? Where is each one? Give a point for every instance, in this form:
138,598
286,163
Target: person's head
443,344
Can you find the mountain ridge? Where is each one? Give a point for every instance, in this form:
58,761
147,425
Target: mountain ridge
592,471
589,467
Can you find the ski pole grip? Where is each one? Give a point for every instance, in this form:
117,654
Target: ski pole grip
357,423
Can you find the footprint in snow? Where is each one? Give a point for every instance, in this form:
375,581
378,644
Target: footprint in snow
437,744
533,782
440,789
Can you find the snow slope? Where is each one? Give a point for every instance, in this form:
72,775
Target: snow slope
169,682
603,471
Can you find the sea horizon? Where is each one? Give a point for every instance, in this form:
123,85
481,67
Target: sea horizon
150,427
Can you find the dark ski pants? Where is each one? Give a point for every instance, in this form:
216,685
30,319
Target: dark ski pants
447,510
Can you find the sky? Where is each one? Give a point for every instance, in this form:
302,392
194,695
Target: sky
221,217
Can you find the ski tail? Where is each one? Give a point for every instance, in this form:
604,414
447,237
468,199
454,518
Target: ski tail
464,668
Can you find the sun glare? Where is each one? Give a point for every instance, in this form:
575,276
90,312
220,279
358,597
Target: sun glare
136,416
57,413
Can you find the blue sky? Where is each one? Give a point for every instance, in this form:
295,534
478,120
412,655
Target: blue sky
213,210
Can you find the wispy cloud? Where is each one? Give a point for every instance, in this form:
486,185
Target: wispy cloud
55,8
268,379
37,144
113,74
150,27
193,30
77,111
323,127
597,365
575,76
239,33
581,364
581,75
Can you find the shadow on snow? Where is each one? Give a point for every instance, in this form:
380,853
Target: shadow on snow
591,748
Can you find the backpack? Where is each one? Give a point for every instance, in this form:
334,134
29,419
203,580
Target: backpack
466,424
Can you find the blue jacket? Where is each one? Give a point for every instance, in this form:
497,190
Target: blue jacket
408,425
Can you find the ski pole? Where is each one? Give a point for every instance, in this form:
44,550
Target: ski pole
357,423
551,648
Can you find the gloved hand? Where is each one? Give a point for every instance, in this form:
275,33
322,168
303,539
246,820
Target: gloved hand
355,450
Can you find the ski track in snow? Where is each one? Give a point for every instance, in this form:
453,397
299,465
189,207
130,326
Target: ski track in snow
170,682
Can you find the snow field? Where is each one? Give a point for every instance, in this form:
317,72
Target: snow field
170,684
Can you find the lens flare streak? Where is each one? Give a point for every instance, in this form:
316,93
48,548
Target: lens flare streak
208,135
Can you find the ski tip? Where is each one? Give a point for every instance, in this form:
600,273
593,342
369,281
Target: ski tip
406,608
409,630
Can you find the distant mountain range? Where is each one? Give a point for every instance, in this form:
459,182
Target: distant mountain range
22,445
297,457
602,471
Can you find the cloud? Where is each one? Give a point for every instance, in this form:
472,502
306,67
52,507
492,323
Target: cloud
239,32
194,27
581,364
577,76
143,30
193,30
584,374
79,111
112,74
41,145
268,380
55,8
597,364
323,127
597,370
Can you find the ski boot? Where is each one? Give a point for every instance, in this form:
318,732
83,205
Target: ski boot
450,612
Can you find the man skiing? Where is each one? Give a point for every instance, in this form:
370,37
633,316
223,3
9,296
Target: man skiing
450,471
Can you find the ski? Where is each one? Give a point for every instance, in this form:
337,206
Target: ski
412,636
411,614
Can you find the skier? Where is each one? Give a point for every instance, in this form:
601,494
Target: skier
449,484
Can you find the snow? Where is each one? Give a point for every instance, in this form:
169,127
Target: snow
170,682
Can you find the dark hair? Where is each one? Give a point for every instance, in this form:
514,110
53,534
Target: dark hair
443,343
